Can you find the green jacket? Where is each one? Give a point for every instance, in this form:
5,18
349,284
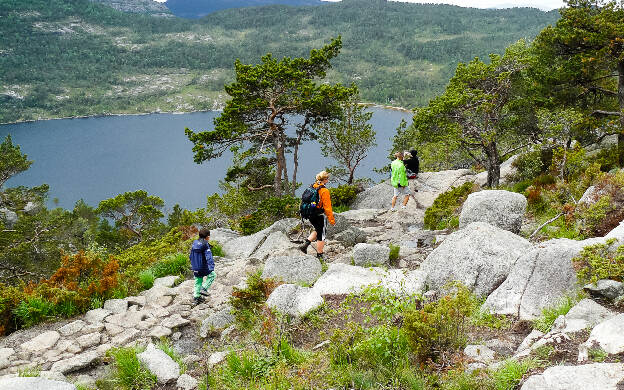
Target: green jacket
399,176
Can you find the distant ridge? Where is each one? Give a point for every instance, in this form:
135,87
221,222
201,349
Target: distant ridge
198,8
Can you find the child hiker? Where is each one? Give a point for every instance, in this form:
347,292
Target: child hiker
202,264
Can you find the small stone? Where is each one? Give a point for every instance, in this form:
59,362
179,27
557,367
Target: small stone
96,315
73,348
186,382
138,300
113,329
85,381
167,281
159,364
175,321
75,363
102,349
116,305
43,341
89,340
217,357
176,336
160,331
479,353
71,328
125,337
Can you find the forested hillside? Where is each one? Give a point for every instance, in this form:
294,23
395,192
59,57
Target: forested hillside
74,57
199,8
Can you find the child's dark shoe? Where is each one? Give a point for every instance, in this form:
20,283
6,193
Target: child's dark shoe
198,300
204,292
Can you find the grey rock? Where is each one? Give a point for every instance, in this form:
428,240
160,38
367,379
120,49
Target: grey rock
503,209
125,337
175,321
159,364
294,300
53,376
362,215
276,243
538,280
129,319
71,328
219,320
479,256
217,357
366,255
585,314
85,381
341,224
245,246
32,383
432,184
608,335
160,331
89,340
41,342
96,315
501,347
222,235
597,376
75,363
293,269
403,282
351,236
529,340
166,281
479,353
610,289
376,197
186,382
136,300
116,305
344,279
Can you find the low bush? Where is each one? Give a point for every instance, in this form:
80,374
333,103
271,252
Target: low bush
217,249
528,165
268,212
438,328
394,253
600,261
444,211
343,195
247,302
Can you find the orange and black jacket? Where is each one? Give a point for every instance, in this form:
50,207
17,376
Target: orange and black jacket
325,203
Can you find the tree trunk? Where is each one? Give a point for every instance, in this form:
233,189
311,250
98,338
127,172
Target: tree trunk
300,133
285,186
277,183
620,92
493,165
351,171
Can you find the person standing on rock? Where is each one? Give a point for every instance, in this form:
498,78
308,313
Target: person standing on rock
399,180
202,264
319,220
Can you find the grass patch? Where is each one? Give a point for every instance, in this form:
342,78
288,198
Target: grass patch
127,372
549,315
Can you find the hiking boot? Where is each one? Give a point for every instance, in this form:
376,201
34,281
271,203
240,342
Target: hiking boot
204,292
319,256
304,247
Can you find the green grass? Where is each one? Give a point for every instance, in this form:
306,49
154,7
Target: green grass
29,372
510,373
550,314
128,374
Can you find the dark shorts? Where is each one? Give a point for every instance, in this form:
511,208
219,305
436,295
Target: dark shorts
319,223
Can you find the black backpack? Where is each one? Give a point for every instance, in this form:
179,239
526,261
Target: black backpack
309,202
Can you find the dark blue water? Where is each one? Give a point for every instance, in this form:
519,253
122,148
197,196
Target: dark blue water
97,158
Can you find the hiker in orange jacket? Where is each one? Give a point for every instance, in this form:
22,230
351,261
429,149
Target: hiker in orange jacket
319,221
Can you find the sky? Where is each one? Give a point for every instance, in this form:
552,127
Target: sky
545,5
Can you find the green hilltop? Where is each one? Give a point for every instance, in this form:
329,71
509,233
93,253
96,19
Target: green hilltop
63,58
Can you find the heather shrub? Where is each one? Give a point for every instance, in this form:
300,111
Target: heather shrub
343,195
445,209
528,165
600,261
269,210
247,302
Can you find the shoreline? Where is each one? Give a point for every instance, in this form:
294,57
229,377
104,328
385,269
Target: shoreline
375,105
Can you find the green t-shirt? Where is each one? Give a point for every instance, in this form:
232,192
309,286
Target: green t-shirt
399,176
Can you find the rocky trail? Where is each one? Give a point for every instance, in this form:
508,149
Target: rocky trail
518,277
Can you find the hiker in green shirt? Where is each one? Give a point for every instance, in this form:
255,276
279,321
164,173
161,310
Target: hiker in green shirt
399,180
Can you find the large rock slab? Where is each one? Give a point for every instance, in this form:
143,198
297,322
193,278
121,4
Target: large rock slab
362,215
294,300
351,236
502,209
34,383
75,363
159,364
376,197
609,335
366,255
432,184
276,243
246,246
293,269
597,376
538,280
344,279
479,256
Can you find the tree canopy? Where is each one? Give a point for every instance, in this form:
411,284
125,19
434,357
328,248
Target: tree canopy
265,99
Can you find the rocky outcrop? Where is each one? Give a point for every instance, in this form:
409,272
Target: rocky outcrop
608,335
294,300
480,256
366,255
597,376
293,269
498,208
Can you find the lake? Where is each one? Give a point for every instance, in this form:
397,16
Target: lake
97,158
